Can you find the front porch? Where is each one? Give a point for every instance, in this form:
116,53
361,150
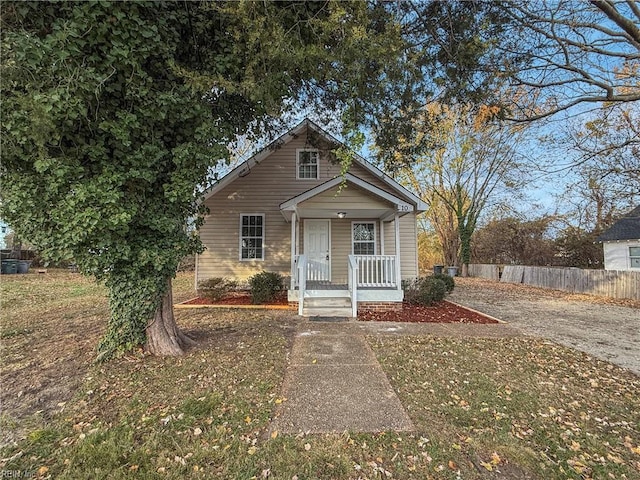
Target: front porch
373,281
345,247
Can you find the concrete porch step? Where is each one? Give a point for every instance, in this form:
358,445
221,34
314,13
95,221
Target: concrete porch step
328,312
327,307
327,302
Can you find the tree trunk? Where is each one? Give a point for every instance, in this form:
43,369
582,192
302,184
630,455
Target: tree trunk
164,338
465,270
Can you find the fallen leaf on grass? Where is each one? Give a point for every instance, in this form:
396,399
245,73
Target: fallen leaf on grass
487,465
615,459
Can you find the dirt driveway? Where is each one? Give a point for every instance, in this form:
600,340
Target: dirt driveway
605,328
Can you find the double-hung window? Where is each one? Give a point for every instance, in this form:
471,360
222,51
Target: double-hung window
308,164
364,238
634,257
252,236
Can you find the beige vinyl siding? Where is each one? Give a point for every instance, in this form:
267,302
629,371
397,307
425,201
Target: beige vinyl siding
262,190
408,244
340,249
351,197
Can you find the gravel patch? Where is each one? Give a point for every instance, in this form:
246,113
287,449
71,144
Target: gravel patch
605,328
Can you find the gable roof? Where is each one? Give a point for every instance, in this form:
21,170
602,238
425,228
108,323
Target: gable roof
264,152
626,228
402,207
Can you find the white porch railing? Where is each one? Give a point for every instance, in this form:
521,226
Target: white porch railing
377,271
301,280
353,285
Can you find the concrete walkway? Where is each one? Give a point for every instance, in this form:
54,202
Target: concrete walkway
334,384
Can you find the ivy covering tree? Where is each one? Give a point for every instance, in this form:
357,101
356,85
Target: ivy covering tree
114,113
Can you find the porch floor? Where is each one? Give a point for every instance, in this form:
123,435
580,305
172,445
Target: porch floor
314,285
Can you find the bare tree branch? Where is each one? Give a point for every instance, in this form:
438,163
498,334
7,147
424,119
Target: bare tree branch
574,53
610,10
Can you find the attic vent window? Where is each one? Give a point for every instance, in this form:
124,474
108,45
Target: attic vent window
308,164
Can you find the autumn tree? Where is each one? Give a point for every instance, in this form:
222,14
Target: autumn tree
512,240
115,112
577,247
466,163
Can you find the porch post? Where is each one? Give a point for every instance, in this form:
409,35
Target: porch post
293,250
396,225
381,237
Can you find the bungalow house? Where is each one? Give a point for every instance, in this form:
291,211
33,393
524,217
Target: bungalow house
621,243
342,241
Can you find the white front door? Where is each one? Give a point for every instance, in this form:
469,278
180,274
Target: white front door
317,249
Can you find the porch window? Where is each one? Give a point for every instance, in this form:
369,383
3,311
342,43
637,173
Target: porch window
634,257
252,236
307,164
364,238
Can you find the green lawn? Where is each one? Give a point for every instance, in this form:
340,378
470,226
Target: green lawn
511,408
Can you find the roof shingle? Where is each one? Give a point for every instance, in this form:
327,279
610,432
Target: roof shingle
627,228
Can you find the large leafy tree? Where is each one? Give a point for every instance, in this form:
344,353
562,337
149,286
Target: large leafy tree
114,113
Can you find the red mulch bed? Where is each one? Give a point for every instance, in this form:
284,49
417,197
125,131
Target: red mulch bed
237,298
441,312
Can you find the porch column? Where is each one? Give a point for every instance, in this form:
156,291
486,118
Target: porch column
293,250
381,237
396,225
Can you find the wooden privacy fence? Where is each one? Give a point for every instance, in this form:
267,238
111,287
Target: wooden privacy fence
608,283
484,270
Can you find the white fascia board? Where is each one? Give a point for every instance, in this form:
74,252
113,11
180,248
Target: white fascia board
292,203
255,159
401,205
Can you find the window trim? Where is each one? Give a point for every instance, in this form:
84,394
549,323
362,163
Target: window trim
375,235
632,257
298,152
242,215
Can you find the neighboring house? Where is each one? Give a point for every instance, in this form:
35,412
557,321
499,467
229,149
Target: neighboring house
4,231
621,243
342,241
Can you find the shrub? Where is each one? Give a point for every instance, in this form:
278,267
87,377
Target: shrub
448,281
425,290
265,286
216,288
